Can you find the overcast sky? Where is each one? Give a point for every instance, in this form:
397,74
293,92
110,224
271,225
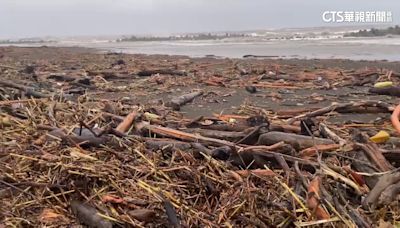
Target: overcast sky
32,18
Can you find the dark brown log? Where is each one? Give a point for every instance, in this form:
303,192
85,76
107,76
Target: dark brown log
391,91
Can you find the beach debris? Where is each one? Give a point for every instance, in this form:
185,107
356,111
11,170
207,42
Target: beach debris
302,151
380,137
383,84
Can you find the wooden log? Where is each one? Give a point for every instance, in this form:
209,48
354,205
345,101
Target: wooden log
226,135
177,134
82,137
177,102
158,144
298,142
147,73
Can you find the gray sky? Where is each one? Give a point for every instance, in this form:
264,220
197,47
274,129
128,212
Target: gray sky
31,18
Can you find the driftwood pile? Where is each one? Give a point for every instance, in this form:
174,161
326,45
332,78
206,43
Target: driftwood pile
99,169
65,161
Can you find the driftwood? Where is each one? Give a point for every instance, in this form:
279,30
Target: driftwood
375,156
385,190
244,127
227,135
258,159
370,78
29,91
127,122
345,108
360,165
177,134
298,142
391,91
252,136
80,136
147,73
158,144
89,216
177,102
325,131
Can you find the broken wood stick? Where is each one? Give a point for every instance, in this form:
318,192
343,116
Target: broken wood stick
177,134
325,131
177,102
127,122
298,142
314,199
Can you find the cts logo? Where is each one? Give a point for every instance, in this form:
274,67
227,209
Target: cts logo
333,16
